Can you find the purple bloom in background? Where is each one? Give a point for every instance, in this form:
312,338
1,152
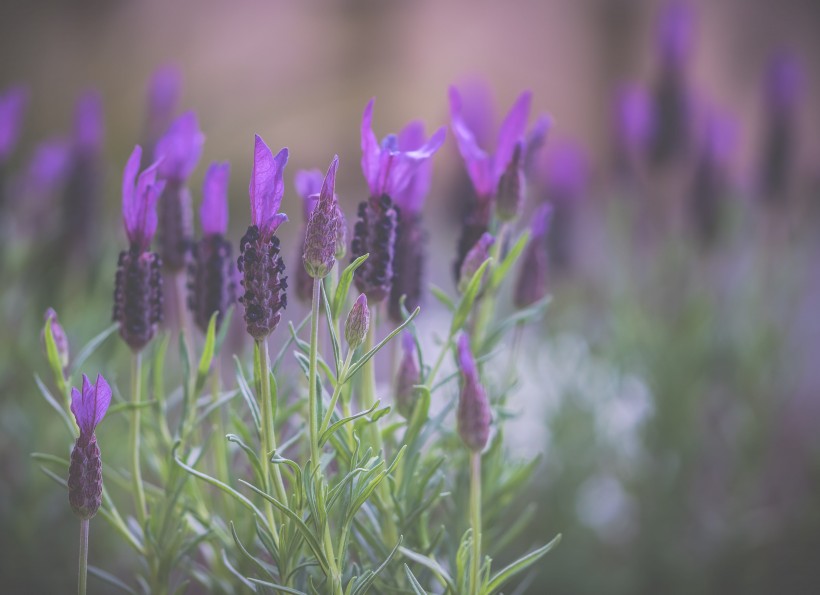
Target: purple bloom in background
535,141
391,169
531,285
473,416
474,259
308,184
675,33
138,289
319,253
634,122
260,264
211,285
85,471
89,128
164,90
13,103
48,168
407,377
179,151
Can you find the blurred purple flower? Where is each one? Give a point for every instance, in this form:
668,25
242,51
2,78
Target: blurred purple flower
48,167
164,89
535,140
59,337
180,148
785,80
308,183
410,199
358,322
139,200
88,124
566,172
531,284
267,187
387,167
213,211
479,253
473,415
407,377
634,120
675,33
13,103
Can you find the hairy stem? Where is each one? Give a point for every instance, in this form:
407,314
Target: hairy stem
83,575
475,521
136,470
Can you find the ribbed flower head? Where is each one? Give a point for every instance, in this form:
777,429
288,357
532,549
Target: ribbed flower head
531,284
85,471
510,194
211,278
319,253
357,323
180,148
59,336
375,234
407,377
138,287
473,415
260,264
13,103
479,253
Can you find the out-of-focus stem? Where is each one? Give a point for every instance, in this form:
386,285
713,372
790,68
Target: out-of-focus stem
313,404
136,470
475,521
273,476
83,575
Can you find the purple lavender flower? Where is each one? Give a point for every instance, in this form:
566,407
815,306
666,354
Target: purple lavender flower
411,237
85,472
357,323
473,415
88,123
634,122
59,336
308,184
531,284
179,150
389,171
211,273
510,194
407,377
259,261
675,33
164,90
474,259
319,254
13,103
138,289
485,169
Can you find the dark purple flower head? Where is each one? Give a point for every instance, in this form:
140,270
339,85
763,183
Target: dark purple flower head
90,405
634,120
58,335
88,124
267,187
473,415
485,169
357,323
407,377
308,183
675,33
388,167
139,200
13,104
566,172
474,259
180,148
213,212
785,80
319,254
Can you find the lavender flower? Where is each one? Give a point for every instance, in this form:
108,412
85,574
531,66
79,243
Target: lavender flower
473,415
259,261
319,254
211,273
634,124
13,103
388,170
85,481
407,377
510,195
485,169
59,336
308,184
357,323
479,253
179,150
164,90
411,237
138,289
531,284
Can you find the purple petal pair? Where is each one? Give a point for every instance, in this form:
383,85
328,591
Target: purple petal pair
138,288
260,264
85,471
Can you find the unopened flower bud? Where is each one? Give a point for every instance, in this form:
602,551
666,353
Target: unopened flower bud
473,415
479,253
319,254
59,336
358,322
510,192
407,377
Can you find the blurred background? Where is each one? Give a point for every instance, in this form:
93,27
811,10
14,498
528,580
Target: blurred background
673,389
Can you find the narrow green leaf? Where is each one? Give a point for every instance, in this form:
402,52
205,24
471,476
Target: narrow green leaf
276,587
335,426
91,347
53,357
444,299
223,329
236,573
525,316
263,566
365,582
465,304
414,583
439,572
72,427
500,272
345,279
207,351
519,565
366,357
109,578
286,347
253,459
331,327
250,400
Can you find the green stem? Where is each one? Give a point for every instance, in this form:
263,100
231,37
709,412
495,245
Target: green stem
83,557
434,371
475,521
313,405
336,392
222,460
136,470
273,476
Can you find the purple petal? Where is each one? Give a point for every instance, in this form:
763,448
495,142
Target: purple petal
541,219
511,131
329,184
475,159
272,224
308,185
371,151
535,140
129,178
477,109
139,204
214,209
90,405
411,136
12,107
267,185
465,357
88,123
180,148
409,169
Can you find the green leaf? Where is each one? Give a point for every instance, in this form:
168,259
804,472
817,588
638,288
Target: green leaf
207,353
109,578
465,304
345,279
235,572
263,566
364,582
331,327
91,347
72,427
223,329
501,271
421,411
366,357
439,572
519,565
252,457
335,426
129,406
286,347
525,316
245,389
53,357
276,587
414,583
444,299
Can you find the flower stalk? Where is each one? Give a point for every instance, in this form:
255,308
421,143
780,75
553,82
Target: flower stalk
83,573
475,520
136,469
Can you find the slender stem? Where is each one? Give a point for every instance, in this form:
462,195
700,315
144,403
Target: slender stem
83,557
180,291
313,404
440,360
222,463
273,476
368,396
475,521
336,392
136,469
